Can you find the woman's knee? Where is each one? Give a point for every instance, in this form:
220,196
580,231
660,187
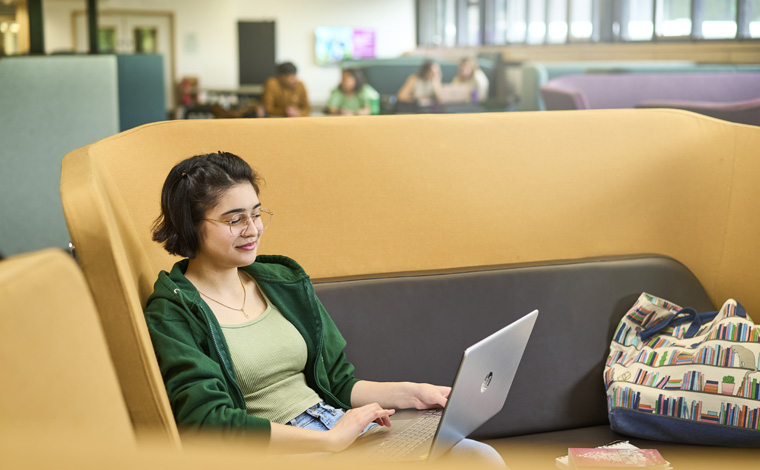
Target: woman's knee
477,453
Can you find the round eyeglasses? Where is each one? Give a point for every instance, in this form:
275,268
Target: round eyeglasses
238,223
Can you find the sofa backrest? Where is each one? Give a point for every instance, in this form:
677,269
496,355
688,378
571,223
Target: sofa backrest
387,75
376,195
535,74
57,373
607,91
420,325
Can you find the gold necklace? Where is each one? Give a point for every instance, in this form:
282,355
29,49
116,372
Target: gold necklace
245,296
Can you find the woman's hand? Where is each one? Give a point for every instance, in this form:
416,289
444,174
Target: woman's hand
400,395
351,425
426,396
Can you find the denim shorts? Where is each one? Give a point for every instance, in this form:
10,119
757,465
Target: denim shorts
321,417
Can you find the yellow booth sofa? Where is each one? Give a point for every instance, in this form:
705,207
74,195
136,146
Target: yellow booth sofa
424,233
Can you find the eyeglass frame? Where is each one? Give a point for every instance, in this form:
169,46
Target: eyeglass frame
248,219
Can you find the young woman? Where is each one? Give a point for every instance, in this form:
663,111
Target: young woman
423,87
469,73
350,96
243,343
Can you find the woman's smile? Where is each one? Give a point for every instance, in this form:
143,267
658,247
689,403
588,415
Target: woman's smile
247,247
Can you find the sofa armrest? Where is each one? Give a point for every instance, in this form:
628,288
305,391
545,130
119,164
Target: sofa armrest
556,98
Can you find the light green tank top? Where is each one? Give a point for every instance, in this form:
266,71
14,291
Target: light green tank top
269,356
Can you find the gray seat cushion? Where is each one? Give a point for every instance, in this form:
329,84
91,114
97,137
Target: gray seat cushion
416,328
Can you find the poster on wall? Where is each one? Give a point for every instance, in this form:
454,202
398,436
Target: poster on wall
334,44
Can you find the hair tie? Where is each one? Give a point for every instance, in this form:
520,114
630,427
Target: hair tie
184,173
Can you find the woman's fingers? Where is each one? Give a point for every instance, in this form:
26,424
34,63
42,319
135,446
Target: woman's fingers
376,413
348,428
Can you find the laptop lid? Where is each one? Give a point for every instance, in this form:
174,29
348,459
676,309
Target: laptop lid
482,383
452,93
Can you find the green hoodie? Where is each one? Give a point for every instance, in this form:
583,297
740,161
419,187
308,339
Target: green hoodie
195,361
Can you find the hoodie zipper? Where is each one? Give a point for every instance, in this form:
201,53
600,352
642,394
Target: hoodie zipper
223,357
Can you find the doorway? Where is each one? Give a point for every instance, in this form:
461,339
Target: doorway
132,32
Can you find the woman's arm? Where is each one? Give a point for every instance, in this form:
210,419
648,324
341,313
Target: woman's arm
334,101
437,86
271,98
304,106
405,92
399,395
290,439
482,80
365,111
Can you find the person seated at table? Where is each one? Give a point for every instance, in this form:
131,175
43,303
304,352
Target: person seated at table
285,95
422,88
352,96
469,73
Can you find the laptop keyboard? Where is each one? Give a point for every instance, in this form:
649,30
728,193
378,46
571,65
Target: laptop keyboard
402,443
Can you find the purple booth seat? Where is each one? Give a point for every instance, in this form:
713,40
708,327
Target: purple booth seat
730,96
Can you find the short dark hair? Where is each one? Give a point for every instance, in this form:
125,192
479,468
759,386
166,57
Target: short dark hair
191,189
286,68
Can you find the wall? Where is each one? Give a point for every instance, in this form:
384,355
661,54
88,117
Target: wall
296,20
205,33
50,106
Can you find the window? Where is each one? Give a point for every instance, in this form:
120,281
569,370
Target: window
107,40
556,19
581,20
637,20
498,33
673,18
753,18
536,23
9,29
437,23
453,23
146,41
472,9
718,20
517,26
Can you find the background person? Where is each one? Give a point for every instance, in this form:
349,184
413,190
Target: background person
285,95
423,87
469,73
352,96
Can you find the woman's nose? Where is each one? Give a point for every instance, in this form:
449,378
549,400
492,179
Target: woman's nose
250,226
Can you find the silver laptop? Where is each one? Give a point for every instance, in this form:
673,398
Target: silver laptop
453,93
480,389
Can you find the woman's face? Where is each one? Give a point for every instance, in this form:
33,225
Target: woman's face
347,82
435,71
236,246
466,69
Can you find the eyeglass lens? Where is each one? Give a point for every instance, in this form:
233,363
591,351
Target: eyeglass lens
261,223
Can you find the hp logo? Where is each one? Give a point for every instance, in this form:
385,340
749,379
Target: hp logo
486,382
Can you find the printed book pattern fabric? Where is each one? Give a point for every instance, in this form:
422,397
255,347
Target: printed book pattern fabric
696,369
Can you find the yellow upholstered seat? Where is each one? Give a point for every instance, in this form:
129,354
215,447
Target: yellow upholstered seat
378,195
57,374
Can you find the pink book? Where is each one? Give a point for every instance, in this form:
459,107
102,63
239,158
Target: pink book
600,458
